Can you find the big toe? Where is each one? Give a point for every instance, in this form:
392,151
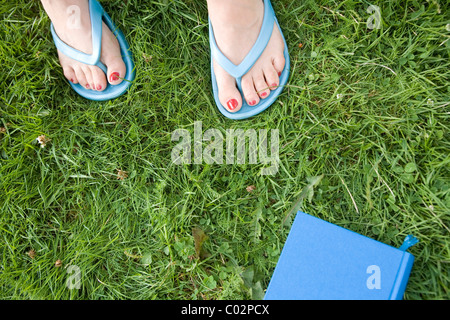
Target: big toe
229,95
111,56
116,70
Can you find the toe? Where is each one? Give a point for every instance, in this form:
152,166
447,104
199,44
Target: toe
116,71
81,77
111,56
279,63
261,85
88,74
271,76
99,78
116,67
249,91
229,95
69,73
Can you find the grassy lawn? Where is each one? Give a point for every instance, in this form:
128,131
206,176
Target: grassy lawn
363,143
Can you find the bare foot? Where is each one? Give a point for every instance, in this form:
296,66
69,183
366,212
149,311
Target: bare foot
236,26
72,23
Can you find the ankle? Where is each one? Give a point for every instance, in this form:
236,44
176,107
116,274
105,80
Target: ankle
236,14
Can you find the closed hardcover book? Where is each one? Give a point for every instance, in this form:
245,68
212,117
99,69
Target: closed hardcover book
322,261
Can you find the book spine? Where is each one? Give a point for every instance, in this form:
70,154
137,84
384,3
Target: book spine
402,277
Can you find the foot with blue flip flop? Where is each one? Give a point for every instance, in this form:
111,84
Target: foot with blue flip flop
93,52
249,56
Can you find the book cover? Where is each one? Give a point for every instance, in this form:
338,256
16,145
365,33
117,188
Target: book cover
322,261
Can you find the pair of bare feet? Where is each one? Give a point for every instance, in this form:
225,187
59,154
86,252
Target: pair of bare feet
236,25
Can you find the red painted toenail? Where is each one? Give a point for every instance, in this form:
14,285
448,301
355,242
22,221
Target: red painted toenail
264,94
114,76
274,85
99,87
71,80
87,86
279,74
232,104
252,103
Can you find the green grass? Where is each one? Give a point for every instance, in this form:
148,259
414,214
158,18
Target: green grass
366,110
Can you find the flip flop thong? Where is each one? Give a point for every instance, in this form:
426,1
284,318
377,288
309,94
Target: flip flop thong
98,15
238,71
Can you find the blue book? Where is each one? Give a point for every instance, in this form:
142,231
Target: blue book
322,261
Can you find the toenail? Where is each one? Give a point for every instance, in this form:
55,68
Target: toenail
279,74
232,104
71,80
252,103
99,87
87,86
114,76
264,94
274,85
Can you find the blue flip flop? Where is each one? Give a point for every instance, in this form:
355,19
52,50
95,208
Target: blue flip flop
98,15
238,71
